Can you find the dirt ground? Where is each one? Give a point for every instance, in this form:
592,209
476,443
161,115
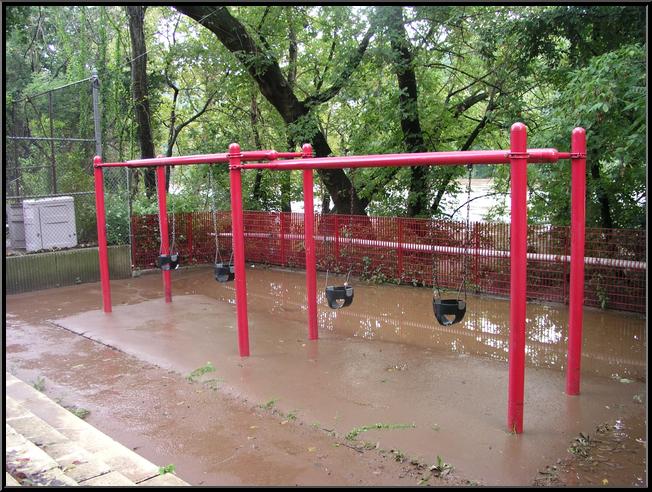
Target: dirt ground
382,398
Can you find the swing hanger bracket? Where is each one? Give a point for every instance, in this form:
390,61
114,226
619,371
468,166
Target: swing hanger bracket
518,155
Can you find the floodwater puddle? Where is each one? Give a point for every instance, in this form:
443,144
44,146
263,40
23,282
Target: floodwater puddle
384,359
613,343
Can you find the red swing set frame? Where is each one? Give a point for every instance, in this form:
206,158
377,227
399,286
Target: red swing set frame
518,156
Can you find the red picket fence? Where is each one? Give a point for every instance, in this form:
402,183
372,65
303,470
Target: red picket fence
416,251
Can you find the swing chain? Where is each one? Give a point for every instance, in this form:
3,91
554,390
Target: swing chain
158,206
174,221
214,217
467,229
350,238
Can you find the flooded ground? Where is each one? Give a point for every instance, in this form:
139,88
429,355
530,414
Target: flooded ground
435,391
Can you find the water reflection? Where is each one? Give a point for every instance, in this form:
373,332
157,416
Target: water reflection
612,342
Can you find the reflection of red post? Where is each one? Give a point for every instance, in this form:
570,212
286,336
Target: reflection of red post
518,253
102,249
282,237
309,241
163,220
576,302
237,219
399,273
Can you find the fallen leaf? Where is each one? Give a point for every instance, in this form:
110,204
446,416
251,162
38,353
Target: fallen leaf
311,450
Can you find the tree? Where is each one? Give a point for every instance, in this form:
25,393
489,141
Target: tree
273,84
136,14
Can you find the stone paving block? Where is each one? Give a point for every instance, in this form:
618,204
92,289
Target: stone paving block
112,479
67,453
86,471
13,409
130,464
166,480
37,431
30,464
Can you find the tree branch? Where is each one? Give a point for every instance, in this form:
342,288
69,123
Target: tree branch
342,79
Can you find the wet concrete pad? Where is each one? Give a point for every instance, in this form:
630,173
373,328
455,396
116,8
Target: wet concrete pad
452,405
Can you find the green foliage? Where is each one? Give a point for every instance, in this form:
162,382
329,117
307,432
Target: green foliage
162,470
200,371
117,220
478,68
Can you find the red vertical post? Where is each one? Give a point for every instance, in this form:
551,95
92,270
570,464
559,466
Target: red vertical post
102,248
518,265
282,237
237,221
309,241
163,221
578,219
400,248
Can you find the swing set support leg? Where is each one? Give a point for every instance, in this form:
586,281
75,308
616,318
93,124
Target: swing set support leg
309,241
163,220
578,220
237,219
101,235
518,254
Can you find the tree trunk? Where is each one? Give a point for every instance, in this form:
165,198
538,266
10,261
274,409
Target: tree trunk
136,15
273,85
408,107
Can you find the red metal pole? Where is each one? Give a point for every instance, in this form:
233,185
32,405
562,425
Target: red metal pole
309,241
400,249
163,221
237,220
576,302
102,248
465,157
518,254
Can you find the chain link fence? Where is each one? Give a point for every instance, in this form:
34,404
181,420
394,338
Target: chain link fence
50,140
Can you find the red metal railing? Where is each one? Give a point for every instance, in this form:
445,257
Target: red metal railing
401,250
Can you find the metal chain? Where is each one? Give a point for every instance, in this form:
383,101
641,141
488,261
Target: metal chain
158,204
348,274
213,215
174,221
468,227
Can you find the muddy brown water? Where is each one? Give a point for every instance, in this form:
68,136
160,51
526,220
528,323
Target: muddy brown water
383,360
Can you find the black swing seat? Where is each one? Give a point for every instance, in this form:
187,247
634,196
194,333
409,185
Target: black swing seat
224,272
168,262
339,296
449,311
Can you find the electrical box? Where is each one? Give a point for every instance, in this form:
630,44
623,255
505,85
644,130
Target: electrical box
16,226
49,223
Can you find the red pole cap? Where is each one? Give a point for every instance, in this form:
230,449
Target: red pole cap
234,150
307,150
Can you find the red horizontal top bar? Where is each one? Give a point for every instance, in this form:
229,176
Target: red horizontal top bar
416,159
253,155
377,160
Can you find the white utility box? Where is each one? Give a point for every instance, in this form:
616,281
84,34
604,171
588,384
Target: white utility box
49,223
16,226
